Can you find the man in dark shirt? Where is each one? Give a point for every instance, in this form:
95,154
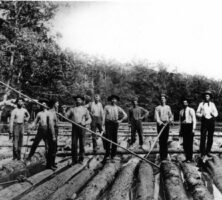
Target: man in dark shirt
136,114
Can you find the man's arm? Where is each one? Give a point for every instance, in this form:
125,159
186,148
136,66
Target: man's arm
199,109
124,114
104,114
12,121
27,116
88,118
170,115
214,112
180,123
51,125
194,119
35,122
157,117
145,111
69,113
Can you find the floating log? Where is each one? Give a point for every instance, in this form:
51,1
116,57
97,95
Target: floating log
44,190
75,184
172,181
19,189
123,183
100,182
145,184
194,183
214,168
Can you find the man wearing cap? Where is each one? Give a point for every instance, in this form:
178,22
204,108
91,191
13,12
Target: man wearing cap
187,120
163,117
112,119
136,114
81,116
18,118
41,121
207,111
96,112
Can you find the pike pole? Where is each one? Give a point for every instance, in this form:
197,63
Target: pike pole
104,138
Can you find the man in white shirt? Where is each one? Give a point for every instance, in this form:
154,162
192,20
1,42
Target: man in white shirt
187,120
112,118
207,111
96,112
18,118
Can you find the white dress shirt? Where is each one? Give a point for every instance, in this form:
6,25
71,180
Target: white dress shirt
207,110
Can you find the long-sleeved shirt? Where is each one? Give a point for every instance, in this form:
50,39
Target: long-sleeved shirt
96,110
112,113
190,117
136,113
163,114
18,115
207,110
79,115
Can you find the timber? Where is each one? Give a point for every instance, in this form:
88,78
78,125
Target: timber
172,181
46,189
18,189
100,182
145,184
194,183
121,187
76,183
214,168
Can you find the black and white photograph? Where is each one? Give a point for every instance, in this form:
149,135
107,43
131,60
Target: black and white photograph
111,100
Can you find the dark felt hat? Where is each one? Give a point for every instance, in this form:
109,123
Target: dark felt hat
134,99
184,98
113,97
19,98
43,100
163,95
79,96
208,92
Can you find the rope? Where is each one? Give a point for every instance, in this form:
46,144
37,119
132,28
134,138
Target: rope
104,138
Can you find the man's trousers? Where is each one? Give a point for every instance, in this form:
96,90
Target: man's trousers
96,123
78,136
187,133
136,126
207,126
111,134
163,140
18,131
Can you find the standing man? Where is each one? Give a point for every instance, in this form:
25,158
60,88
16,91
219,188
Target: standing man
207,111
187,120
112,118
17,122
97,114
41,121
81,116
136,114
52,134
163,117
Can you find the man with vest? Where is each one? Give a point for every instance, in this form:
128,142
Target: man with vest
207,111
187,119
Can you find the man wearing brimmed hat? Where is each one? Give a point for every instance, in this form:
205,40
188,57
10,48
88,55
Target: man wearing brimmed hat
207,111
187,120
97,114
80,115
163,117
112,118
18,118
41,121
136,114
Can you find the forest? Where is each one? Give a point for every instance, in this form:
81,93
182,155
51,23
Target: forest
32,62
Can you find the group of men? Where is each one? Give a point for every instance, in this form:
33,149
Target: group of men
93,114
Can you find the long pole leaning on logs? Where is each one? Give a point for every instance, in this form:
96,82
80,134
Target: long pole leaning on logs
155,141
104,138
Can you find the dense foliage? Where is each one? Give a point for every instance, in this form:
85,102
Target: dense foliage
32,62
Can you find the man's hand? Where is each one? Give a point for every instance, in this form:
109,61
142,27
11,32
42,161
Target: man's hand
119,121
54,138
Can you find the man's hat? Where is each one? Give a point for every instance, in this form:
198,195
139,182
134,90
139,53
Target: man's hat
184,98
79,96
208,92
43,100
113,97
134,99
163,95
19,98
51,102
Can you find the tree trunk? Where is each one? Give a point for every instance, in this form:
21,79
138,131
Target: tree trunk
194,183
123,183
100,182
145,184
172,181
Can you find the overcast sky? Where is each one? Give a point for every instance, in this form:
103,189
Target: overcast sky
186,35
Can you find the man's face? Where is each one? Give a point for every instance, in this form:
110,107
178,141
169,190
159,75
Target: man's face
79,101
20,103
44,105
113,100
185,103
135,103
207,97
97,97
163,100
56,104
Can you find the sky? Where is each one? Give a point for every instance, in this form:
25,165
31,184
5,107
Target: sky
186,35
